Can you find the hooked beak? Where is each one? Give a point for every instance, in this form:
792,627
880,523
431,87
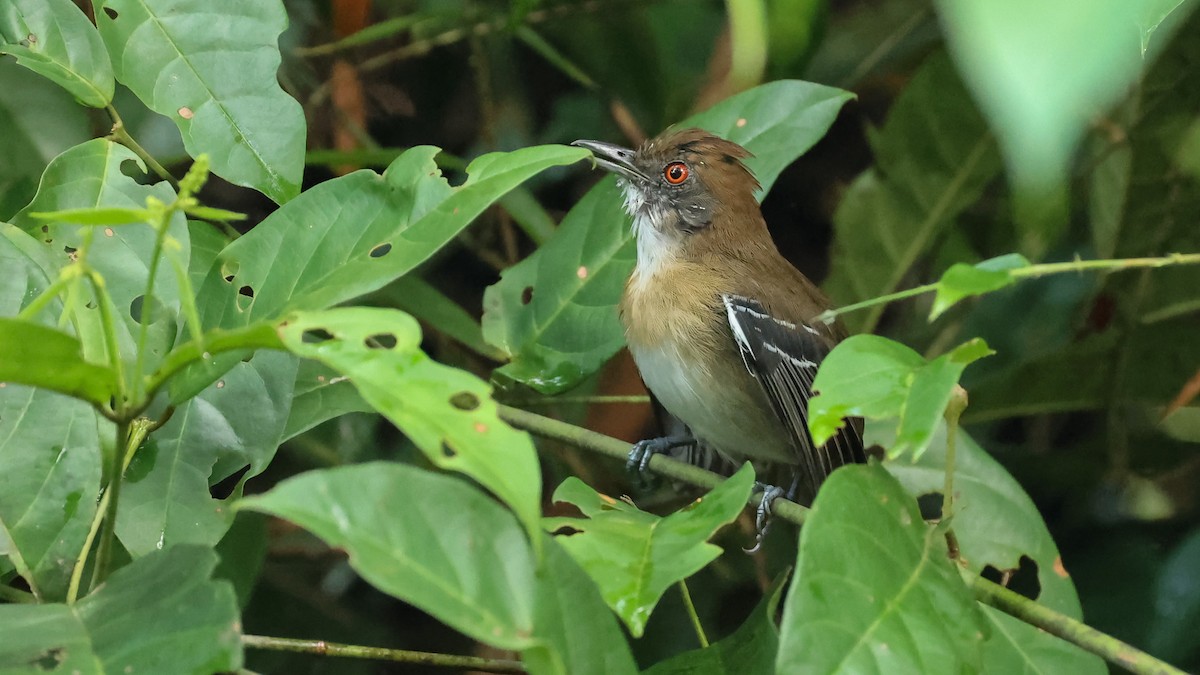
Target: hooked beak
613,158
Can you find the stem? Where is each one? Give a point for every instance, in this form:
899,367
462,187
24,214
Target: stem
65,279
1076,632
108,322
555,400
1073,631
129,437
1028,272
323,648
660,464
954,410
145,319
122,136
691,610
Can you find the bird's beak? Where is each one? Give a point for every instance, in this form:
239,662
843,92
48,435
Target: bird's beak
614,158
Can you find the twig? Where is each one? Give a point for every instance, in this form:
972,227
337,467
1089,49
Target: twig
121,135
323,648
691,610
1071,630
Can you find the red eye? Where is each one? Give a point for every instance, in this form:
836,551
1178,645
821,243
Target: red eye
675,173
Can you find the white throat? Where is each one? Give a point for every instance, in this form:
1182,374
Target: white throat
656,249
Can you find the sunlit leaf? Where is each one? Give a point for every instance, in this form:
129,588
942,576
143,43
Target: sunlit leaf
448,413
963,281
44,357
876,378
635,556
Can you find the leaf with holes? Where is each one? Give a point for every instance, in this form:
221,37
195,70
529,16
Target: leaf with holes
446,412
50,451
997,524
357,233
963,281
874,590
554,312
89,176
161,614
217,80
877,378
55,39
634,556
933,158
430,540
44,357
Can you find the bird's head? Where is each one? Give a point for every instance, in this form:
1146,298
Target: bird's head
683,188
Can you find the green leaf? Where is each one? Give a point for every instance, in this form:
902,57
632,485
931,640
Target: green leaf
161,614
321,394
355,234
876,378
217,80
430,540
43,357
1041,71
50,451
635,556
235,423
580,635
29,272
874,589
100,215
55,39
962,281
89,176
1177,604
446,412
997,524
424,301
933,158
554,312
751,648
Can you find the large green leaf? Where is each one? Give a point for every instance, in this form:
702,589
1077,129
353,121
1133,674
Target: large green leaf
55,39
933,156
29,271
162,614
554,312
874,589
873,377
430,540
997,524
448,413
237,422
40,122
216,79
751,648
50,451
91,175
355,234
634,556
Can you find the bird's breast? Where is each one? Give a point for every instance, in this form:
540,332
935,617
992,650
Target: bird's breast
685,352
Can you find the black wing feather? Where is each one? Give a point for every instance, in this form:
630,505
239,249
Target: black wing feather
783,358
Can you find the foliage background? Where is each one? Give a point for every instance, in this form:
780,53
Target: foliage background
1086,402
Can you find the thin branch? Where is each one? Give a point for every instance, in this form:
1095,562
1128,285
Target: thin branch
121,135
691,610
323,648
1071,630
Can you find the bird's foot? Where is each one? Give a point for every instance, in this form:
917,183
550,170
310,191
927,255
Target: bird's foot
762,516
642,451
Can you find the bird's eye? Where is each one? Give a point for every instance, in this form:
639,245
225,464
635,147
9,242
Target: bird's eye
675,173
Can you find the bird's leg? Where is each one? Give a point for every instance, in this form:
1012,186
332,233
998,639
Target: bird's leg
642,451
762,518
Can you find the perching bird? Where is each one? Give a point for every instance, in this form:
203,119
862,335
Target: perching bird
721,326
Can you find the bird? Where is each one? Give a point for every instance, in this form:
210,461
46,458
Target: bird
723,329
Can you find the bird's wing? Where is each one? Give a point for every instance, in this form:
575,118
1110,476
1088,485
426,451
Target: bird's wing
783,358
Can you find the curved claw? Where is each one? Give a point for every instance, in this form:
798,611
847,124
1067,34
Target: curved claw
762,519
642,451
